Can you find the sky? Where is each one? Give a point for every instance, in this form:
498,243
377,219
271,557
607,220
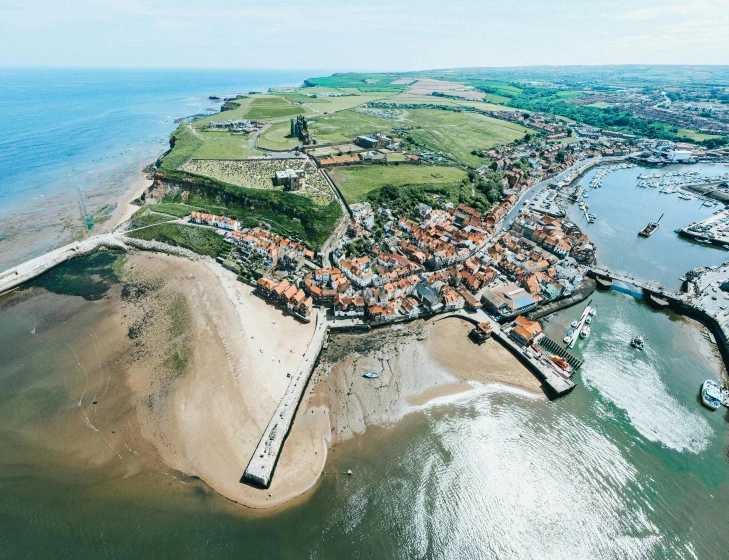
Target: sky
361,35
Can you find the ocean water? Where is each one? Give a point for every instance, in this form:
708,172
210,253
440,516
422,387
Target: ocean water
83,134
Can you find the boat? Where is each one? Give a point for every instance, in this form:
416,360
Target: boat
567,339
593,311
637,342
574,323
711,394
650,229
585,332
370,375
561,365
588,319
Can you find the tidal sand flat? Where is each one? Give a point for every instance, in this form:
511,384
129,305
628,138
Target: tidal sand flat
418,363
154,362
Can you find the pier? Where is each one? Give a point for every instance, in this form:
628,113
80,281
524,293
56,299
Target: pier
261,466
554,383
576,332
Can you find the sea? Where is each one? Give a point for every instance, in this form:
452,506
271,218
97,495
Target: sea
76,140
628,465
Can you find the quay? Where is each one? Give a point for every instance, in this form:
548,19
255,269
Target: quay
554,383
259,471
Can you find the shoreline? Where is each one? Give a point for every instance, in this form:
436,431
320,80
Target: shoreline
124,207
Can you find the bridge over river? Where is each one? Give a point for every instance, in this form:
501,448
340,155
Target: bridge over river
606,275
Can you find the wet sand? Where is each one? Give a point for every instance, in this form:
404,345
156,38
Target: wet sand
181,367
418,363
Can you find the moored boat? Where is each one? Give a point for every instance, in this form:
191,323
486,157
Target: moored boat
711,394
585,332
650,229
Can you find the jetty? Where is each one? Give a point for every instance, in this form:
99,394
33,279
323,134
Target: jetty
576,332
263,463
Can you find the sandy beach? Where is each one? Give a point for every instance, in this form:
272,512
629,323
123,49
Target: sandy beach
191,366
124,207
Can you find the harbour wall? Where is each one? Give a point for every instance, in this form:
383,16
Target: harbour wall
262,465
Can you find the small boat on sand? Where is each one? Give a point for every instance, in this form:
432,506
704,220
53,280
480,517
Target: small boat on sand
371,375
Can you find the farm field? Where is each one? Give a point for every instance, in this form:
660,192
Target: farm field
460,133
695,135
357,181
451,102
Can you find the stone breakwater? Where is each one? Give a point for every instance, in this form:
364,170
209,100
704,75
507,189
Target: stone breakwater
14,277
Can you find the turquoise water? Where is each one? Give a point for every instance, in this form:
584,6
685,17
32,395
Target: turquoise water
93,130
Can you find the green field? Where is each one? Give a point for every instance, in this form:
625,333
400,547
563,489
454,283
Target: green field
432,100
363,82
276,137
225,146
695,135
186,144
459,133
346,125
357,181
205,241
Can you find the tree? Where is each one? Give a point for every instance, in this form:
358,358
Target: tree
560,157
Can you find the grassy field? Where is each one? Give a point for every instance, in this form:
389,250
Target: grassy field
225,146
695,135
146,216
276,137
205,241
459,133
356,181
346,125
186,144
363,82
599,105
428,99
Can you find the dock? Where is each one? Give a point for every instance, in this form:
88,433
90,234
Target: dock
554,382
578,329
261,466
553,347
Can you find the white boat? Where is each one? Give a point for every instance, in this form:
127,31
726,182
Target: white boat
588,320
371,375
567,339
711,394
585,332
574,324
593,311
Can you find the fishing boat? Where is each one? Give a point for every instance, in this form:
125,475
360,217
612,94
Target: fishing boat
711,394
585,332
637,342
370,375
650,229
